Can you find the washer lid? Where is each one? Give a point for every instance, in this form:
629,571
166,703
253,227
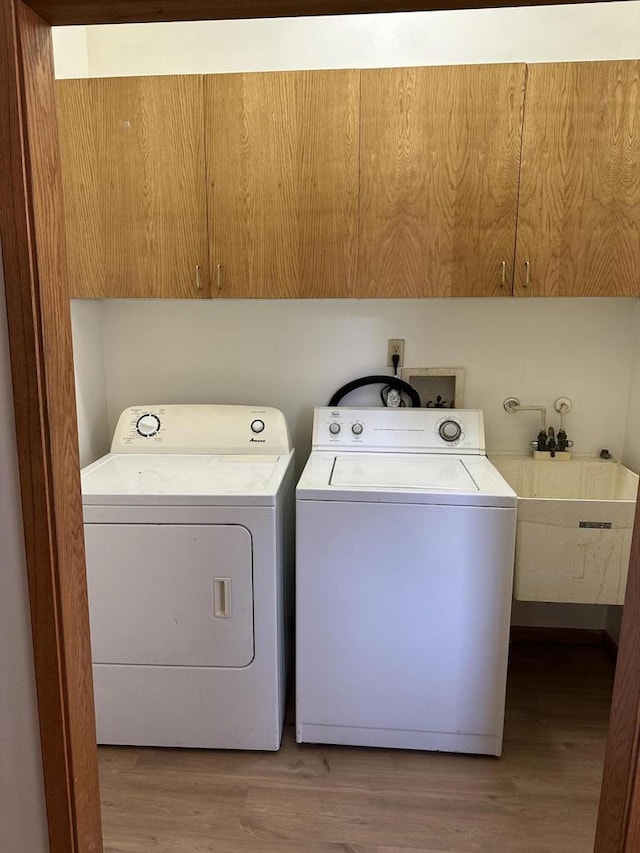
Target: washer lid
395,470
427,478
183,479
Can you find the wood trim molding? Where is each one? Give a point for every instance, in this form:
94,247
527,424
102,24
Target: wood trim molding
42,373
618,828
632,836
26,356
65,12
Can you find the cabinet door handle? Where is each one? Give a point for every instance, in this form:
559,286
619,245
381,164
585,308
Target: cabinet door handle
527,267
198,276
219,277
503,277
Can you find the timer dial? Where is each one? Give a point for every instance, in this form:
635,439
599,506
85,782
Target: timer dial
257,425
148,425
450,430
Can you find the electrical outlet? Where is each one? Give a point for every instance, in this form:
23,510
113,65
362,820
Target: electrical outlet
395,346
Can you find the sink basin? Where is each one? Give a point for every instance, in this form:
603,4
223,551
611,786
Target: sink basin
574,526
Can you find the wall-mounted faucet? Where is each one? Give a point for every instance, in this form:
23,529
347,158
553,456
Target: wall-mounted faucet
547,441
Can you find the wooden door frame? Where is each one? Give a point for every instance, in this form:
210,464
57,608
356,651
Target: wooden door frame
46,428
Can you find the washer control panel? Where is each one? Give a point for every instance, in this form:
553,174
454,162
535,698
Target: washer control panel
201,429
401,430
344,430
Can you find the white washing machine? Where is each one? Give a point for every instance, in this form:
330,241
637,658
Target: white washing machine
189,539
404,569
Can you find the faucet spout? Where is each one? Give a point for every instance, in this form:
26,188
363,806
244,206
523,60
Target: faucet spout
551,442
513,405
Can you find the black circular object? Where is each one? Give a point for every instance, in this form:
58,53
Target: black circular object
391,381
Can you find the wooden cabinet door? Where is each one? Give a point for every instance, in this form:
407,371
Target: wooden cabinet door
439,151
132,153
282,160
579,214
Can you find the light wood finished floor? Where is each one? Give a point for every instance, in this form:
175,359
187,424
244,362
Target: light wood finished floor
540,797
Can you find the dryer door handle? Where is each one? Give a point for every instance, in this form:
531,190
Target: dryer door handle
222,597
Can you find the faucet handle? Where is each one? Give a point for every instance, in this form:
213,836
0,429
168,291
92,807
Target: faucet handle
562,405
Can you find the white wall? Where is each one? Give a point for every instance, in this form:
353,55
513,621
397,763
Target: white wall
294,354
547,34
631,456
71,51
94,432
22,811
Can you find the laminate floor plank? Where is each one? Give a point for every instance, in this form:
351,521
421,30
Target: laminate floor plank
540,797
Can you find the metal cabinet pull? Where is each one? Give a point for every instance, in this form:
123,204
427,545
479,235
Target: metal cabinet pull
219,277
504,273
198,276
527,267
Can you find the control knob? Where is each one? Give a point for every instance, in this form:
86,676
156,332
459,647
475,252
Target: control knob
356,429
257,425
148,425
450,430
334,428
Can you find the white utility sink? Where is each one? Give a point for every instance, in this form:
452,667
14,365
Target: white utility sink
574,527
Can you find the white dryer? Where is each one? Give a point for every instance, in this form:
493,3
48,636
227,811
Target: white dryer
188,529
404,569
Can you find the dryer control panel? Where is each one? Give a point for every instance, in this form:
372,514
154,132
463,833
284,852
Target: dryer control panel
401,430
211,429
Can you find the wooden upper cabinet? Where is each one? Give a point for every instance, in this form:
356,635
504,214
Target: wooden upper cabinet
402,182
132,153
579,217
440,151
282,160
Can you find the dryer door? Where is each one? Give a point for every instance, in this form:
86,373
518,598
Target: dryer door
170,595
